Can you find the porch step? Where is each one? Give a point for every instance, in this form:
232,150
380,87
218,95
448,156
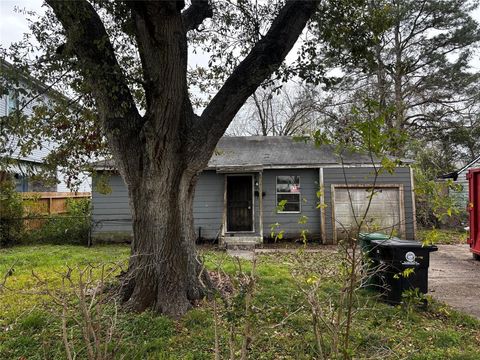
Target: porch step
241,242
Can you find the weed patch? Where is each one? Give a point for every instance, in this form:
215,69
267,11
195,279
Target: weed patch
281,321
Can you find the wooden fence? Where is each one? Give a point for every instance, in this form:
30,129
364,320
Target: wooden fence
37,206
49,203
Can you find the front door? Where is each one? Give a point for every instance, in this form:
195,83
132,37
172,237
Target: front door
239,203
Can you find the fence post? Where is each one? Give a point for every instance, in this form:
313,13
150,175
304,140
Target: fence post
89,240
50,200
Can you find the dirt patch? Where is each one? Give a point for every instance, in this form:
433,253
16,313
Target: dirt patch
273,248
454,278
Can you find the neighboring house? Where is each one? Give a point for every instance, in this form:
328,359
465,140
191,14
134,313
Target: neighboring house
238,194
460,178
20,167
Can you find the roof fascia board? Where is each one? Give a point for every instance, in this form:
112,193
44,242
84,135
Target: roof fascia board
272,167
299,166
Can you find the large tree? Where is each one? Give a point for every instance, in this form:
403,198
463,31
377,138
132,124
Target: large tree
160,149
411,56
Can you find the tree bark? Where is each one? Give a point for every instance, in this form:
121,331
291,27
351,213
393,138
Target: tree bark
398,77
164,273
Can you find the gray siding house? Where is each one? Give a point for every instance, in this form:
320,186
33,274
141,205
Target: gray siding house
255,184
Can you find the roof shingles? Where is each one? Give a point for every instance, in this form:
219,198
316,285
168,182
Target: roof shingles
271,152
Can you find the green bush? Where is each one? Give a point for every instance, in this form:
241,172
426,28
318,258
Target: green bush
11,213
435,205
70,228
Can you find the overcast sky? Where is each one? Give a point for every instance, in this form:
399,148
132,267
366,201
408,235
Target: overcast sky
13,24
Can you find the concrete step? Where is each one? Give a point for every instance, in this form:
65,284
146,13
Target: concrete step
242,254
241,242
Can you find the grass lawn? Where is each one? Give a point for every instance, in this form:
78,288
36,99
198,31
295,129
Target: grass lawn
282,329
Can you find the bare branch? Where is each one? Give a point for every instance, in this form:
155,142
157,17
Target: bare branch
265,57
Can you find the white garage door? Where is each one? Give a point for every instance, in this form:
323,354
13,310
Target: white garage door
384,213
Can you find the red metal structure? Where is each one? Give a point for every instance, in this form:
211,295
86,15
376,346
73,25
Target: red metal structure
473,177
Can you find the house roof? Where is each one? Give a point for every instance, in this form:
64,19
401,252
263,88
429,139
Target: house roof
454,175
263,152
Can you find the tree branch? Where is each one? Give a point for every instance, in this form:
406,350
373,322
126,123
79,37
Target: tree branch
265,57
196,14
89,41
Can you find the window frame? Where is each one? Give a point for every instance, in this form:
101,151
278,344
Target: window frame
288,193
11,99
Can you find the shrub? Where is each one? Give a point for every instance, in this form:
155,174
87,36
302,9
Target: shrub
11,213
435,204
70,228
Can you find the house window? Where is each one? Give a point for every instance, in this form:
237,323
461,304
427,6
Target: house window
21,183
12,102
288,194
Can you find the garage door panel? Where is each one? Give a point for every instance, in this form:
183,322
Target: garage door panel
352,203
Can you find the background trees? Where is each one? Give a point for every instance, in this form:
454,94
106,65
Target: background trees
415,58
277,110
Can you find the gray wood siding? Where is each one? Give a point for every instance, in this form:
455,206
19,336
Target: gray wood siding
3,105
289,222
208,204
461,196
111,212
365,175
37,154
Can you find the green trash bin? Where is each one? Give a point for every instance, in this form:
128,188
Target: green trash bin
366,240
369,261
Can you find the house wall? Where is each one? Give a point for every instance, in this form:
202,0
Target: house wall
309,185
461,197
3,105
111,213
208,204
365,175
38,154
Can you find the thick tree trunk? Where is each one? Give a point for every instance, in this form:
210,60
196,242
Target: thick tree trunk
164,272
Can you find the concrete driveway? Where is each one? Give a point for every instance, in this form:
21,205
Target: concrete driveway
454,278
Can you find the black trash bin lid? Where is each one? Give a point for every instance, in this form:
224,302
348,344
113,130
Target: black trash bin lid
403,243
